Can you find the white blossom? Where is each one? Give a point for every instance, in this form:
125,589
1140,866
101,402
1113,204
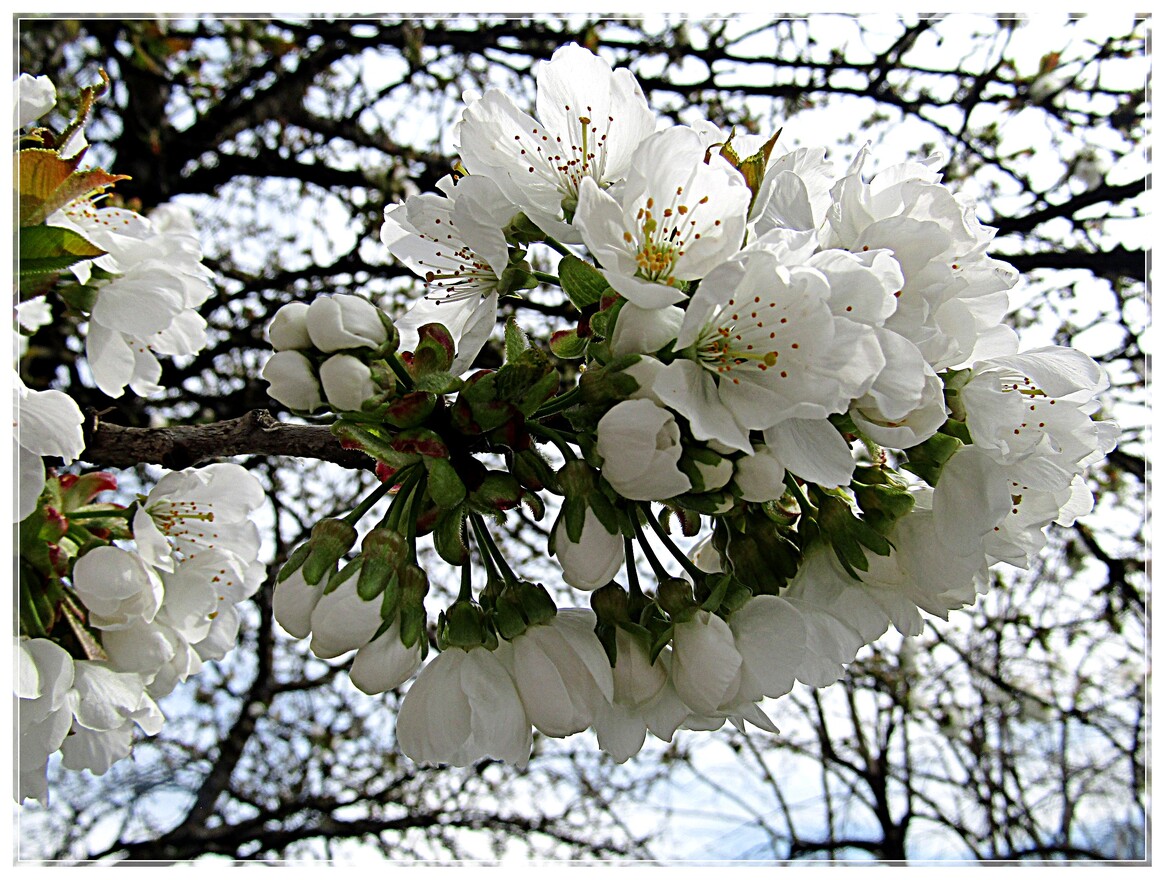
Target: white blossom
590,122
342,321
464,707
594,560
639,443
347,382
385,663
292,381
561,672
674,220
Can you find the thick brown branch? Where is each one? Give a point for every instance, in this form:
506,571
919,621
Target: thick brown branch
256,433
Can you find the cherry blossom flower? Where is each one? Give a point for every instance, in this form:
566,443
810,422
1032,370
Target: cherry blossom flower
561,672
639,443
463,707
292,381
594,560
347,382
385,663
44,423
590,122
43,682
118,587
106,706
954,296
761,345
343,321
675,218
200,508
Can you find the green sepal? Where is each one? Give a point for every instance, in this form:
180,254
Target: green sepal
330,540
383,550
848,534
465,626
414,584
927,458
507,617
675,597
294,562
345,573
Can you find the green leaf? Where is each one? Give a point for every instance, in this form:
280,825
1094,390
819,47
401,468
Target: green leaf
516,339
567,344
583,283
46,182
48,249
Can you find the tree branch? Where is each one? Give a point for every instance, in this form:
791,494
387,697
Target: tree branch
256,433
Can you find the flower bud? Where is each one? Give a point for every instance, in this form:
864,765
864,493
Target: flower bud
385,663
288,329
347,382
640,446
292,380
675,597
294,601
594,560
344,321
342,622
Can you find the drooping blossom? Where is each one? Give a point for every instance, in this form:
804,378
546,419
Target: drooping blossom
561,672
463,707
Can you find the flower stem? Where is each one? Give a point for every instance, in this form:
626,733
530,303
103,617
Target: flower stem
546,277
364,506
652,560
688,566
490,551
556,245
558,404
554,437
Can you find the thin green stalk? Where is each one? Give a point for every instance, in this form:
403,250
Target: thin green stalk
661,573
558,404
546,277
367,504
632,572
486,540
556,245
554,437
689,566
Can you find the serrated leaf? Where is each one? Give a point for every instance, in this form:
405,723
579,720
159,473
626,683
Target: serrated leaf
516,339
583,283
46,249
567,344
47,182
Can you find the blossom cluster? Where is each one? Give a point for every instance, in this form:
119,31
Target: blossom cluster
807,369
117,605
144,600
